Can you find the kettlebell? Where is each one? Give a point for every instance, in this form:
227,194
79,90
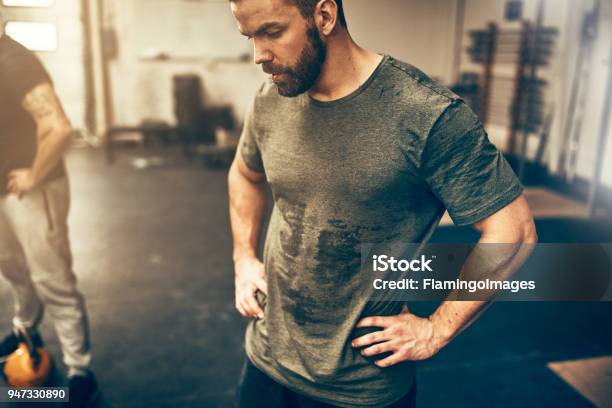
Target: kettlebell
27,366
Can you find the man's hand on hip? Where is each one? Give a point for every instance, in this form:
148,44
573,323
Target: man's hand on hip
406,336
250,277
20,181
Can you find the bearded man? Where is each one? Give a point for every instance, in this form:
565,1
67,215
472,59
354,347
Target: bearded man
356,147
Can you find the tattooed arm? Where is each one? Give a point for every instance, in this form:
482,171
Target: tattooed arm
53,134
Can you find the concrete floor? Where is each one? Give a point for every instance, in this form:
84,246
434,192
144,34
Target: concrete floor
152,252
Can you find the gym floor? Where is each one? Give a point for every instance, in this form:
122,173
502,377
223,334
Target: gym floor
151,244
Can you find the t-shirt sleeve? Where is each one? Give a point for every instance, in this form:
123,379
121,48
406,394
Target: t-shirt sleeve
464,169
24,70
248,146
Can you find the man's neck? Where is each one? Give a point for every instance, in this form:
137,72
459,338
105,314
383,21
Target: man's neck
346,68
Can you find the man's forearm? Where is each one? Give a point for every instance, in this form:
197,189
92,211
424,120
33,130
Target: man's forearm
487,260
247,207
52,143
452,317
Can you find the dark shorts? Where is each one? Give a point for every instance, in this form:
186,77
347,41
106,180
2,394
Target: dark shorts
257,390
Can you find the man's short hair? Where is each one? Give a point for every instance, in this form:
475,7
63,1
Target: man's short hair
307,7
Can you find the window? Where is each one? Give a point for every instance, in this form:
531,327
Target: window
33,35
27,3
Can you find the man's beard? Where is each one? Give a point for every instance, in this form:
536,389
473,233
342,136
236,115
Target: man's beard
303,76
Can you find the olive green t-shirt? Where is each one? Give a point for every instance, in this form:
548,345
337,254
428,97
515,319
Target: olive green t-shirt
379,165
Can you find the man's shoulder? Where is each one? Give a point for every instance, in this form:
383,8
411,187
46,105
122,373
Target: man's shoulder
11,49
417,98
410,76
17,59
19,69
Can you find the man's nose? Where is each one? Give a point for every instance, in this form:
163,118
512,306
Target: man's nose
262,54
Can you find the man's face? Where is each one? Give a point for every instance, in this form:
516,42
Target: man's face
286,45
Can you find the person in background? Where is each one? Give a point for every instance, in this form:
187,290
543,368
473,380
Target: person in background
35,254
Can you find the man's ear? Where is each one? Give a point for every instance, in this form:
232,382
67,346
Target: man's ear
326,16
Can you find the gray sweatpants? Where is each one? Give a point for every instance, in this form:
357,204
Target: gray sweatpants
35,258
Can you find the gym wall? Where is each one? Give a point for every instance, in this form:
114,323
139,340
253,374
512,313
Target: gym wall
201,37
192,37
566,16
65,64
420,32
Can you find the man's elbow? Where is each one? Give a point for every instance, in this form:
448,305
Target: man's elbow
529,232
59,133
64,132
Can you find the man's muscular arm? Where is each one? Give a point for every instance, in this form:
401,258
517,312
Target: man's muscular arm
409,337
53,132
247,197
511,225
